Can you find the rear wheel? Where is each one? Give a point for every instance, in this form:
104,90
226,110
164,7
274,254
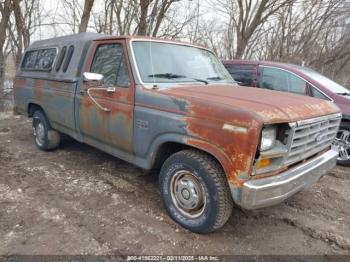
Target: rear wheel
44,136
342,142
195,191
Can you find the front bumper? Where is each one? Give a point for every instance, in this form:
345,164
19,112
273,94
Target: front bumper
273,190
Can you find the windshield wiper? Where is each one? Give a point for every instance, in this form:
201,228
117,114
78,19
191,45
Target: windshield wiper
344,94
167,75
175,76
219,78
215,78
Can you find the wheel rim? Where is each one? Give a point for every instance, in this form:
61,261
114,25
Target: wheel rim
342,142
39,132
187,194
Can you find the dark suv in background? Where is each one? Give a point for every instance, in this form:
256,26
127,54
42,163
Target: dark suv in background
299,80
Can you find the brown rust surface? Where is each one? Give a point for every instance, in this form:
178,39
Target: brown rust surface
210,107
235,150
38,89
93,119
270,106
20,82
204,121
116,126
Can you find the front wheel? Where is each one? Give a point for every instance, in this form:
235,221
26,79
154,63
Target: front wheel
195,191
342,142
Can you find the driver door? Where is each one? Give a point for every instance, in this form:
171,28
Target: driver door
105,110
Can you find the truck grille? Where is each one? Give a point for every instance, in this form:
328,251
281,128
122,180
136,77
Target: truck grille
309,137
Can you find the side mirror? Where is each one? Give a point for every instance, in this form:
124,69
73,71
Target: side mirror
110,89
92,77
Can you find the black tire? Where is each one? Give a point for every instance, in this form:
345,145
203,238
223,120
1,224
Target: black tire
49,138
344,126
211,179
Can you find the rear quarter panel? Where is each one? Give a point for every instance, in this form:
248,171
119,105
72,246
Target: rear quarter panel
55,97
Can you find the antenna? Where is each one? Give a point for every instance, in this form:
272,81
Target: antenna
150,49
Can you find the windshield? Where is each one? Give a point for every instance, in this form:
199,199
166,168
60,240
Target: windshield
173,63
328,83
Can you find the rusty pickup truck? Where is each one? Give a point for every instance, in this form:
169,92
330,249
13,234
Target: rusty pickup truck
173,107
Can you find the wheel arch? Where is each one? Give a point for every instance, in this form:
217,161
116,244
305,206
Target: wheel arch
166,145
32,106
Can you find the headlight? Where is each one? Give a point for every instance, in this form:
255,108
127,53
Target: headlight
268,138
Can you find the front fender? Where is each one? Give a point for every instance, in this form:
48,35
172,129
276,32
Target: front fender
199,144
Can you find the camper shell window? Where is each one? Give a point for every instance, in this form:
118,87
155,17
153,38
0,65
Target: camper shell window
39,60
60,58
68,58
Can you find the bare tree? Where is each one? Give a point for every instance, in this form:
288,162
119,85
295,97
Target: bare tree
86,15
144,5
143,17
27,19
245,17
309,32
71,15
5,11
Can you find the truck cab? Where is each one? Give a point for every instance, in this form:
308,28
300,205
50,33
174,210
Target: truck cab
173,107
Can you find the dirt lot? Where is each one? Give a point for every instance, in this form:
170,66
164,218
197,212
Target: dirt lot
79,200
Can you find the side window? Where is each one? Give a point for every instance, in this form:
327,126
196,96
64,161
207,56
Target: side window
109,61
39,60
60,58
243,74
296,84
280,80
318,94
68,58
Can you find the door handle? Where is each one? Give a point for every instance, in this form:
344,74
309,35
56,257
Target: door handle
93,99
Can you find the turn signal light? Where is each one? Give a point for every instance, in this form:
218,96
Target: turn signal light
263,163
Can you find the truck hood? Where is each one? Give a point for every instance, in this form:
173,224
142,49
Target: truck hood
269,106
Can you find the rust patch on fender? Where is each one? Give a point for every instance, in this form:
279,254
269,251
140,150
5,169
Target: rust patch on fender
207,124
209,108
235,150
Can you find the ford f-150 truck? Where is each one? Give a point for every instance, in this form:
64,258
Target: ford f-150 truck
173,107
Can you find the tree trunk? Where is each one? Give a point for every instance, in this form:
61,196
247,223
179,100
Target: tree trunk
143,17
241,46
20,29
86,15
5,9
159,19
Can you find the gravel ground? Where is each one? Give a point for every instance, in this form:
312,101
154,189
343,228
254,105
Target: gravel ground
79,200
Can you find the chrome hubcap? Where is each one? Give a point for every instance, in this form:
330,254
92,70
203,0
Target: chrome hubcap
39,132
342,142
187,193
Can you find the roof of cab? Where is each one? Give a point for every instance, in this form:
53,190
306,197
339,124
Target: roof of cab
87,36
